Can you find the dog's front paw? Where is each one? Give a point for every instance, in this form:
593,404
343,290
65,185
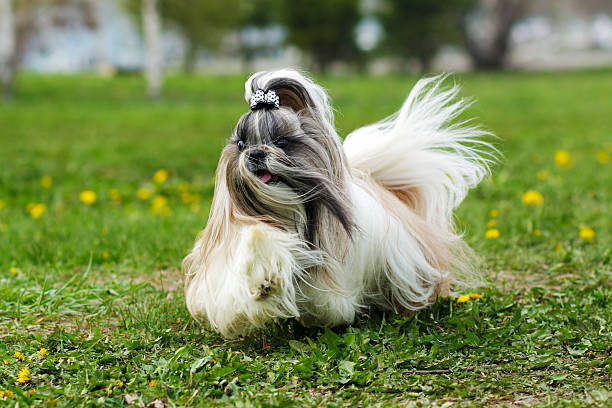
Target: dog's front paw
266,264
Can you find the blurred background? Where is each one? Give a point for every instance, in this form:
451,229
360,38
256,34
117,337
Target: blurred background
114,37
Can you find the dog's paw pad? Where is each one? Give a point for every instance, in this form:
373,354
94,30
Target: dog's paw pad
265,289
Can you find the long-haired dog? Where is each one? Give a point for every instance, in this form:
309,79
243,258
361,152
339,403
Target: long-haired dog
305,226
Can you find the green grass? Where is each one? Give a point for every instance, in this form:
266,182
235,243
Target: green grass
99,285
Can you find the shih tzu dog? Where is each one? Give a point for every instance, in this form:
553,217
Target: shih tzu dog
305,226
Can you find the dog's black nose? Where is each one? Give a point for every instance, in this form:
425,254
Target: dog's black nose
257,156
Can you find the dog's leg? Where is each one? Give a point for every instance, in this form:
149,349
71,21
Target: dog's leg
249,281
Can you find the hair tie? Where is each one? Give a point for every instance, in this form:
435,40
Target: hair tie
261,99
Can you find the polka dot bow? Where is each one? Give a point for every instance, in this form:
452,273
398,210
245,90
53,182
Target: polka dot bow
261,99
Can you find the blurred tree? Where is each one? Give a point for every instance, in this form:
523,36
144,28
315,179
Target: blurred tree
323,28
256,15
203,23
486,31
7,47
153,59
20,19
418,28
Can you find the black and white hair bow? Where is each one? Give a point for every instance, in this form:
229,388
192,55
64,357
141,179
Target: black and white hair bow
261,99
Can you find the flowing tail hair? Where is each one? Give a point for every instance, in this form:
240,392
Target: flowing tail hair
429,163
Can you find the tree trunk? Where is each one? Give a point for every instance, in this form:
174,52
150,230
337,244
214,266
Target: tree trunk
490,53
7,48
190,59
152,30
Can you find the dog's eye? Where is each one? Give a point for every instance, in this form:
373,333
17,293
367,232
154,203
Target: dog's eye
241,145
282,142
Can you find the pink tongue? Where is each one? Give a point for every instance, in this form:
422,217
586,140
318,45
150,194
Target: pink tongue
265,177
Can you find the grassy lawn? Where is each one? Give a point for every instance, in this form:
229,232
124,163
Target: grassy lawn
91,298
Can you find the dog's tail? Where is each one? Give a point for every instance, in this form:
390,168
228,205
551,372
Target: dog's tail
425,158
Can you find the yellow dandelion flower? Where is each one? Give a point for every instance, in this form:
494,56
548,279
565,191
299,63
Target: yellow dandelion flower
474,296
537,232
6,394
5,362
184,186
463,299
46,181
14,271
186,197
491,223
158,204
543,174
586,233
603,157
563,158
18,355
160,176
144,193
1,204
87,197
114,194
492,234
119,383
533,197
558,248
36,209
494,213
105,255
152,383
23,376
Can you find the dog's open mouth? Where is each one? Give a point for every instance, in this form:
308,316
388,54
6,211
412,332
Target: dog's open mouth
266,177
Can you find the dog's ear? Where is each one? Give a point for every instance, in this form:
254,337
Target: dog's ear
295,91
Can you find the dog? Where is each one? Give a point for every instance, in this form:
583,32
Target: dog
305,226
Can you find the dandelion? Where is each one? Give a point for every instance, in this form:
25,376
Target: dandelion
5,362
184,186
586,233
543,174
105,255
6,394
23,376
563,158
537,232
603,157
144,193
36,209
14,271
533,197
46,181
494,213
114,194
119,383
160,176
152,383
18,355
42,352
492,234
491,224
465,298
1,204
158,204
87,197
558,248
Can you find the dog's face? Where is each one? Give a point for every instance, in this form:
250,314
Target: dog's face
283,166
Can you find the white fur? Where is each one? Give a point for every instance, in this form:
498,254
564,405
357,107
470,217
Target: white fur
391,262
